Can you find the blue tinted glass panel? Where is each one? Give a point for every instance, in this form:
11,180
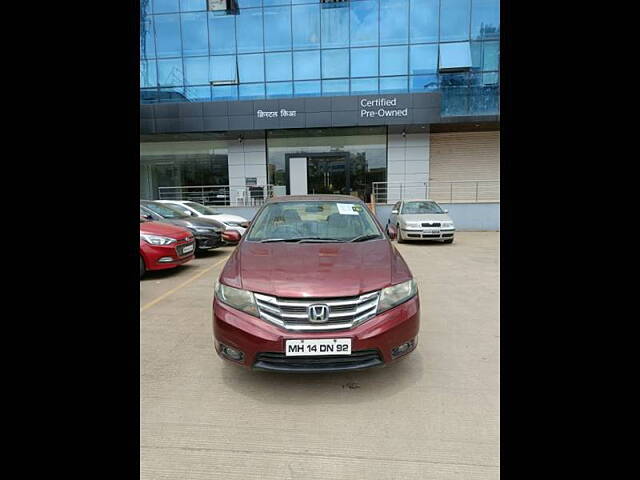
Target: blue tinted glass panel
424,21
280,89
455,17
364,62
196,71
277,35
485,19
195,36
198,94
170,72
249,31
249,3
364,23
423,83
335,87
278,66
224,93
454,80
149,95
222,69
393,85
168,42
490,78
146,6
192,5
335,27
455,55
491,56
307,89
171,95
222,34
476,55
394,60
364,85
423,59
306,26
166,6
394,22
249,91
147,41
306,65
335,63
148,74
270,3
251,68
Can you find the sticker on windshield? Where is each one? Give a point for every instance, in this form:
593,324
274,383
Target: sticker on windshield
347,209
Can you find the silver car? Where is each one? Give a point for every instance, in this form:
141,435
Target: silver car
421,220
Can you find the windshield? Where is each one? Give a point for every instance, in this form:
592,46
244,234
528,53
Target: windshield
421,207
314,220
201,209
164,210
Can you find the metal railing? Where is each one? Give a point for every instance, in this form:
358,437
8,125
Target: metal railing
220,195
470,191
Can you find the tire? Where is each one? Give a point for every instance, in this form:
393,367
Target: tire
448,241
399,236
142,267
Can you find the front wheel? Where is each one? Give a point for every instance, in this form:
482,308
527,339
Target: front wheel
399,236
142,268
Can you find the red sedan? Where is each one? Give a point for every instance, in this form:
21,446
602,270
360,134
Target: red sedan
315,285
164,246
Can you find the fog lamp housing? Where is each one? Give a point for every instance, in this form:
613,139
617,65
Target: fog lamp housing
165,260
404,348
231,353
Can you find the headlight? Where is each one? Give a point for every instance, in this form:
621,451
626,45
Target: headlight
447,224
237,298
232,224
397,294
413,224
157,239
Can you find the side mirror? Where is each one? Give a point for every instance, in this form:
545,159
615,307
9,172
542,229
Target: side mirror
446,211
188,212
395,212
149,217
392,232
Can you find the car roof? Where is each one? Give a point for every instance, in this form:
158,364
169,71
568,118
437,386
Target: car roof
418,200
171,201
314,198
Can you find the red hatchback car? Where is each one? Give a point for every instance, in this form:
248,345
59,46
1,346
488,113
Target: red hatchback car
315,285
163,246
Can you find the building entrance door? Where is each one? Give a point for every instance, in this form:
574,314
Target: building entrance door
328,174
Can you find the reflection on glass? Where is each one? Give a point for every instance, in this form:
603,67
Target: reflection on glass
393,84
196,71
394,22
335,27
170,72
222,34
306,89
278,66
191,5
223,69
224,92
485,19
306,65
148,73
251,68
279,89
364,23
335,63
423,59
166,6
335,87
306,26
491,56
195,38
455,55
249,30
455,16
147,40
277,35
167,29
250,91
423,83
364,85
424,20
393,60
198,94
364,62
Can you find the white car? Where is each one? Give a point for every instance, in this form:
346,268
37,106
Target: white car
195,209
421,220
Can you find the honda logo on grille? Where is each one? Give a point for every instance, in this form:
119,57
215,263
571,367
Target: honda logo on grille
318,313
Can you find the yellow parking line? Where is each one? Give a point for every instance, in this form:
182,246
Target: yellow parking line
182,285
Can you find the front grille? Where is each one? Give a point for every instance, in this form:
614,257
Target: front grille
431,224
272,361
292,313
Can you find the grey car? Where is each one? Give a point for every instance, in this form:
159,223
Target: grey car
421,220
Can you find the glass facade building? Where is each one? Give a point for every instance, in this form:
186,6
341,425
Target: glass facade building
269,49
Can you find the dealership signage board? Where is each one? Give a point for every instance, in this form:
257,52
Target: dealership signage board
381,107
217,4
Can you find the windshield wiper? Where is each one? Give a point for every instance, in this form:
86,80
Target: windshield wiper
366,236
301,239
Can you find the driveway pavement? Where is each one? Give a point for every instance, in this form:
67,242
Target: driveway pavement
434,415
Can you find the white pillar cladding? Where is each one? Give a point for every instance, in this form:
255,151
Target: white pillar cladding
407,165
246,159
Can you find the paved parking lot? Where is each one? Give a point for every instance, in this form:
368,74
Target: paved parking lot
434,415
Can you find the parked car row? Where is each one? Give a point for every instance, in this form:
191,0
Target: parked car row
172,233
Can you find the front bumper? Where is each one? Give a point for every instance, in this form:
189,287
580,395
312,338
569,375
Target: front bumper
263,344
443,234
208,242
152,254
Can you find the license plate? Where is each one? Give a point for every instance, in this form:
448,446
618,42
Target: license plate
324,346
432,231
187,249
